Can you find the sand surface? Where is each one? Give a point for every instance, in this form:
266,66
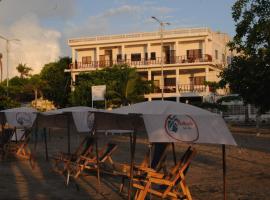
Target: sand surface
248,171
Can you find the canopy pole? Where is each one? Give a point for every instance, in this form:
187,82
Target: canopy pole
68,132
150,164
174,154
97,157
224,171
132,152
45,141
36,134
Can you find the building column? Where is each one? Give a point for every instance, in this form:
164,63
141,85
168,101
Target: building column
123,52
149,77
177,48
207,77
97,54
205,46
177,80
74,57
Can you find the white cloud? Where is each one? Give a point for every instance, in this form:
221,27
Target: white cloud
11,10
38,45
133,15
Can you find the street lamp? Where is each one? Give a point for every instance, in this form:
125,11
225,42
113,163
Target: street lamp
162,24
7,55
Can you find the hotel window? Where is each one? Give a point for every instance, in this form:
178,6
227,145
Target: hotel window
199,80
146,56
223,58
153,56
86,59
169,81
119,57
135,57
194,53
216,54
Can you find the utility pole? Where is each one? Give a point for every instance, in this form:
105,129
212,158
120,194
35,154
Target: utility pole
162,24
7,57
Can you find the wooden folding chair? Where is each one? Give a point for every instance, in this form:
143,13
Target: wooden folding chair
165,186
5,137
61,160
141,170
90,162
19,147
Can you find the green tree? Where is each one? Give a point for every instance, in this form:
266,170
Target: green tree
36,85
18,91
23,70
249,73
6,102
57,81
124,86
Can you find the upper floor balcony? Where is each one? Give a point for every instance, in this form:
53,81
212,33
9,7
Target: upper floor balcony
171,60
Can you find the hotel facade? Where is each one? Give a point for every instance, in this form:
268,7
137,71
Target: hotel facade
189,58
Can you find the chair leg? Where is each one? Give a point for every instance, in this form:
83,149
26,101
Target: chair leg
68,177
122,185
185,188
142,194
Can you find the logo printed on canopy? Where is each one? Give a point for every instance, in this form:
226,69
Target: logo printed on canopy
23,118
181,128
90,120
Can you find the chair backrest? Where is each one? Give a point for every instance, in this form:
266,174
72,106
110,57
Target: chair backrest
85,147
183,165
6,135
158,158
110,148
159,155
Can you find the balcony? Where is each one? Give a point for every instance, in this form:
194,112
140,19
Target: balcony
142,62
182,88
191,88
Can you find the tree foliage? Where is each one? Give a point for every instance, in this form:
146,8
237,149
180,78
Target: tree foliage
249,72
6,102
23,70
57,88
123,84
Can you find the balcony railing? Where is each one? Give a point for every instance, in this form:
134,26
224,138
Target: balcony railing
142,62
191,88
182,88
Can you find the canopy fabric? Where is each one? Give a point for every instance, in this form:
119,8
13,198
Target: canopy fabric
21,117
162,107
59,118
167,121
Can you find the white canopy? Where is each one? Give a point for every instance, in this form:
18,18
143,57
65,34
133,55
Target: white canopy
21,117
58,118
167,121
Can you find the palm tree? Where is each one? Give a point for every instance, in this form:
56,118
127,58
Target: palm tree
23,70
36,84
126,86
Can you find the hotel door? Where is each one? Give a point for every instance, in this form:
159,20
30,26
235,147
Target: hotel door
108,57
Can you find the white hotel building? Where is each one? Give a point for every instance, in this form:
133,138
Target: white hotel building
190,56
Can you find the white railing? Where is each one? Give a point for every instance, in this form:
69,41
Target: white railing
186,31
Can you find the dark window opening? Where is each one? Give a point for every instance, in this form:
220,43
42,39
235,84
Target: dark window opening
119,57
86,59
146,56
199,80
135,57
169,81
153,56
194,53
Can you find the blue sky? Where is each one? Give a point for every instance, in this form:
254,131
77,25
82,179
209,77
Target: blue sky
49,23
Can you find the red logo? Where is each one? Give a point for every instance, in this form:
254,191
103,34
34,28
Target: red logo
182,128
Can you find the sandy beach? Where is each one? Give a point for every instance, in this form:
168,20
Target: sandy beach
248,170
